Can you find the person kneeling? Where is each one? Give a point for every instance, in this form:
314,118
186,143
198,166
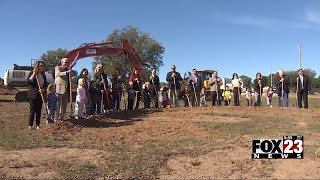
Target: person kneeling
249,97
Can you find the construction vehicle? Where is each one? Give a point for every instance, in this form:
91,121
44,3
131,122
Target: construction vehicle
17,78
205,76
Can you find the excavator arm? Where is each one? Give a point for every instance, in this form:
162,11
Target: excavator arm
100,49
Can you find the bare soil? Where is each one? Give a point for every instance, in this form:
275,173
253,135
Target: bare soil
184,143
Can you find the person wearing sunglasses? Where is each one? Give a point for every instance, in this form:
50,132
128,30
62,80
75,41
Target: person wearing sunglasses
173,78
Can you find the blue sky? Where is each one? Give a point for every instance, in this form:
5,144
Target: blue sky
244,36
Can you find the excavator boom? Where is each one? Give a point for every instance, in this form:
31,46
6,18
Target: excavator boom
100,49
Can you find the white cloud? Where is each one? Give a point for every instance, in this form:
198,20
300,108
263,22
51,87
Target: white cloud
271,22
312,16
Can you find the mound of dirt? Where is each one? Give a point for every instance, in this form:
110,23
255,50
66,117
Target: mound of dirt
5,91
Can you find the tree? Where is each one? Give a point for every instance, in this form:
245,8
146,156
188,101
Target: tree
149,50
265,81
246,81
53,56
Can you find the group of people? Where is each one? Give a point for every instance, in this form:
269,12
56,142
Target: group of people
96,95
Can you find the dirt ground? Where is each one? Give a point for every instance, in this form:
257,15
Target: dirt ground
184,143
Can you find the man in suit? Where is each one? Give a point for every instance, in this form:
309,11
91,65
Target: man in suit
304,86
62,86
155,81
282,83
195,83
258,88
173,78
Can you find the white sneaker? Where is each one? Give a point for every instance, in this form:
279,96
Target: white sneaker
76,117
38,127
30,127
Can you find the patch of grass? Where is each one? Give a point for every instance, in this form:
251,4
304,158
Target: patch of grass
144,162
23,140
260,126
77,170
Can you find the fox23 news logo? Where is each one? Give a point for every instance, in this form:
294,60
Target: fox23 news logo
290,147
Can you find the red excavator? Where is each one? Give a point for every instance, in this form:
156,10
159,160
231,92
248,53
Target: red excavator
85,50
101,49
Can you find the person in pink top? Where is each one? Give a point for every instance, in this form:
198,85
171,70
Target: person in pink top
269,95
81,99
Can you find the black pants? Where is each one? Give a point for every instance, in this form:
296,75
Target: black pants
35,109
303,95
186,102
216,98
226,102
130,104
195,98
236,95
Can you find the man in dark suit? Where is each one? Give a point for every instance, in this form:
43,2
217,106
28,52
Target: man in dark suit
195,83
155,81
173,78
303,86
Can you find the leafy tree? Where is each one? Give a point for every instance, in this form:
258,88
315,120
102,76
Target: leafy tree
53,56
246,80
149,50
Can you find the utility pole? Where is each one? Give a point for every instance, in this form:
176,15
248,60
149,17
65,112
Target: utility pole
300,60
271,78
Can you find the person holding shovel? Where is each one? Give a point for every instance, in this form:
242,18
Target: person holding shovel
236,84
282,83
195,84
215,82
116,84
62,83
100,77
37,82
155,81
136,86
173,78
258,87
303,86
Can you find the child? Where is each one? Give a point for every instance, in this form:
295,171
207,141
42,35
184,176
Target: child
81,99
227,96
94,94
52,105
165,98
186,96
249,97
203,98
146,95
131,95
269,95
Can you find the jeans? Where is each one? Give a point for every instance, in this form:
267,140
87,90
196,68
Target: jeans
216,98
257,100
286,100
116,99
